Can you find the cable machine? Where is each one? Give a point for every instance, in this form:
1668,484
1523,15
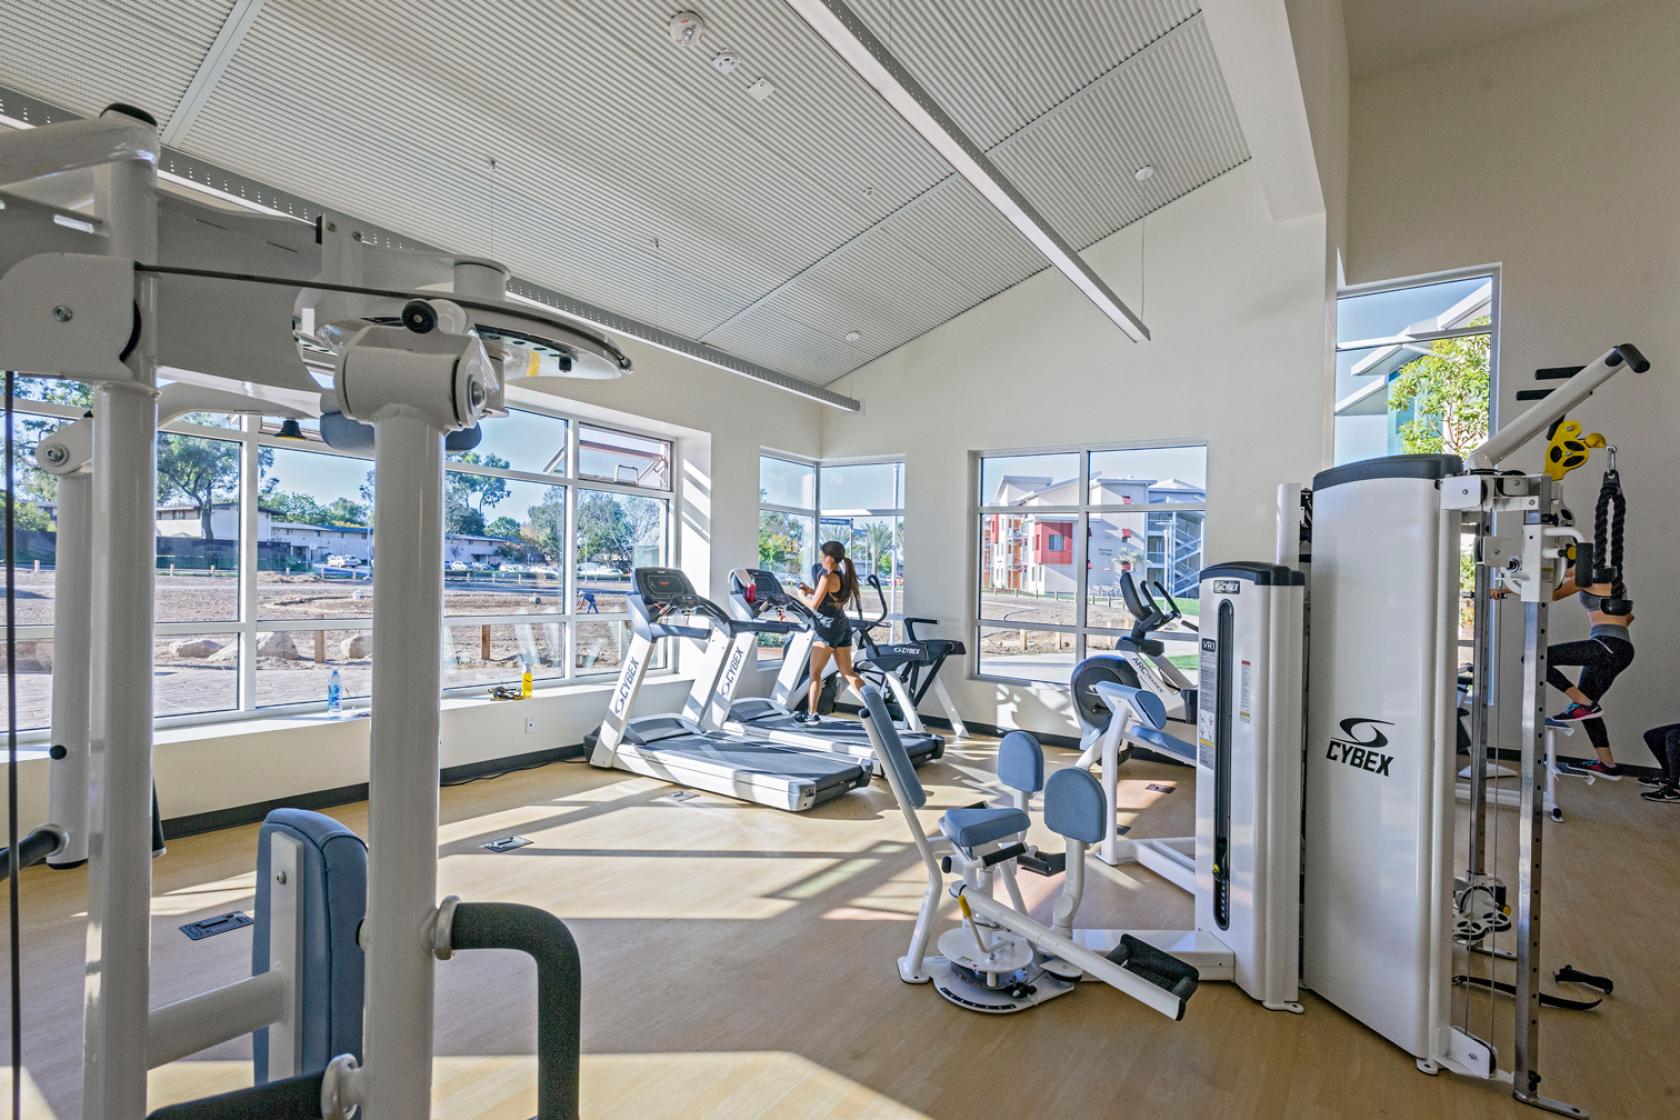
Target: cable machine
400,351
1380,902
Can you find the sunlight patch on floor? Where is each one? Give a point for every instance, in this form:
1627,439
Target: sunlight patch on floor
693,1086
234,891
35,1105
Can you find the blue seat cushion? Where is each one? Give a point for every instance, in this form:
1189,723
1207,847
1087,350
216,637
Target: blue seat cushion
1170,745
969,828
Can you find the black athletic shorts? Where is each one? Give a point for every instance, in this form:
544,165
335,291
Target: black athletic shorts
833,631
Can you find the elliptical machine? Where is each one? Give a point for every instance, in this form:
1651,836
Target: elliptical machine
1144,659
912,665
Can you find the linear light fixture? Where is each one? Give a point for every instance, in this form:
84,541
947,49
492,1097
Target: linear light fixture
844,31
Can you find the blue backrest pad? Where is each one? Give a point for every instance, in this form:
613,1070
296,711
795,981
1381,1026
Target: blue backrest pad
1074,805
332,893
1020,762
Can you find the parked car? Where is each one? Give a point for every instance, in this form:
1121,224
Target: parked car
594,570
459,566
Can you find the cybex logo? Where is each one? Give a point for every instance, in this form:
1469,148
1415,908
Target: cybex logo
1361,746
1227,587
733,670
626,682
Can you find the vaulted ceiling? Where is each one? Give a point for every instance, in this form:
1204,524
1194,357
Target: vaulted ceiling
808,231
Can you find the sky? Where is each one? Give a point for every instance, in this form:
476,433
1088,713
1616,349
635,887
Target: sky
1382,314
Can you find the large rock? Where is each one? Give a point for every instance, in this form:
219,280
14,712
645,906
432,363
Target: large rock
278,644
229,652
195,648
356,647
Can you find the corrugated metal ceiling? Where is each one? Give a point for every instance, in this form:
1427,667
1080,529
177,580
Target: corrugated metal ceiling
576,143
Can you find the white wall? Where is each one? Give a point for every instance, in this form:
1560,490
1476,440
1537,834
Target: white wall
1235,302
718,420
1319,36
1555,154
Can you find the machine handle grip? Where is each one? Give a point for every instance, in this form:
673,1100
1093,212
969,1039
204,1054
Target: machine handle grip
1630,354
1003,855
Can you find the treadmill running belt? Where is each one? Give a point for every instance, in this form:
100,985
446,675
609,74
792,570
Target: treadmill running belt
767,759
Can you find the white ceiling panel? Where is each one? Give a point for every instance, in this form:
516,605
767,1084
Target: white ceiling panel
85,54
1166,108
572,140
995,65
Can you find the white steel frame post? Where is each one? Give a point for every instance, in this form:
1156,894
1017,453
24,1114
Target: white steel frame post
403,780
72,646
125,494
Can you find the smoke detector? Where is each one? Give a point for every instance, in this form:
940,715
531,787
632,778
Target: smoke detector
1144,173
725,63
687,28
853,336
760,90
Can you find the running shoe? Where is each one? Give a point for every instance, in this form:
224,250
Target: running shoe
1578,712
1595,768
1655,781
1667,794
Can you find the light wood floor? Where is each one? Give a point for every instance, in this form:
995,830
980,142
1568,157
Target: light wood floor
739,963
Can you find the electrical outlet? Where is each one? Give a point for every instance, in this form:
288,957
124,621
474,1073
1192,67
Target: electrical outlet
530,727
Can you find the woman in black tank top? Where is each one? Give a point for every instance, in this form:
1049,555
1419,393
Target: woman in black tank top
835,590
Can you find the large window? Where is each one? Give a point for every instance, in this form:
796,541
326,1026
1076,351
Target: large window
265,557
1415,363
1057,531
860,505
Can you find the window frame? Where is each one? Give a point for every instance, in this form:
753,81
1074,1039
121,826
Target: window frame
1079,513
817,512
895,596
1493,272
249,436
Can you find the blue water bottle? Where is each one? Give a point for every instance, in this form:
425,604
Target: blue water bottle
335,693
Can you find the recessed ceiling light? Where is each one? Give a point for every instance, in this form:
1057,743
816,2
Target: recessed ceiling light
1144,173
852,336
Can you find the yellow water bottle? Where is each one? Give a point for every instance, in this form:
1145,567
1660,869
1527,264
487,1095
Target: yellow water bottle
525,682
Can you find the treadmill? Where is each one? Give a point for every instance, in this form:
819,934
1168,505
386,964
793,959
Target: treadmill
755,594
678,748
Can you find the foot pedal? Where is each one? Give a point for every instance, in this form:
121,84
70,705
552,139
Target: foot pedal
221,923
1157,966
1053,864
1569,974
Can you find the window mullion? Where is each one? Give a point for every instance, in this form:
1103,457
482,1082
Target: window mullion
1081,568
250,558
568,574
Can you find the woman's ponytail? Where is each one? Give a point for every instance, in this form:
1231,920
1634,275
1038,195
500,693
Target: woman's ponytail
849,588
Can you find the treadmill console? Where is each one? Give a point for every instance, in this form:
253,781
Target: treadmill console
666,588
761,589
